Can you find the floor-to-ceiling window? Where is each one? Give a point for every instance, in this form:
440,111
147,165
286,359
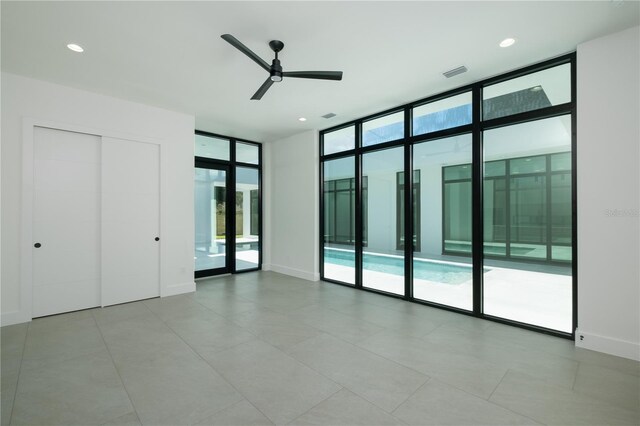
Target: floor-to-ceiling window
227,205
339,219
446,213
382,263
492,206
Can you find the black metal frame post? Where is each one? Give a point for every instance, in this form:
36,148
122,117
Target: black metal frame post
408,208
477,202
359,256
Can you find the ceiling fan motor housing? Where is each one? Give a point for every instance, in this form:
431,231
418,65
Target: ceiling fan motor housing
276,70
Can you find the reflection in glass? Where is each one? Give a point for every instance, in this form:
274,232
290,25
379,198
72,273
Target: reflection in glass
247,153
443,114
383,263
339,220
383,129
247,218
528,223
527,93
210,223
446,222
211,147
339,140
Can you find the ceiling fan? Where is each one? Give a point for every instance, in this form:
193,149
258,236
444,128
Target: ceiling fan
275,70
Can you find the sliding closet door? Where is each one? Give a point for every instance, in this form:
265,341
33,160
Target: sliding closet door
66,221
130,220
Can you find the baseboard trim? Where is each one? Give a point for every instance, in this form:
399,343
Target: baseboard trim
181,288
298,273
13,317
608,345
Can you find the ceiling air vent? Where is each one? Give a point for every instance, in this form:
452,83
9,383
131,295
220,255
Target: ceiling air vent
455,71
330,115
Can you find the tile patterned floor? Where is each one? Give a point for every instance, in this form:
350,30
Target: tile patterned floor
264,348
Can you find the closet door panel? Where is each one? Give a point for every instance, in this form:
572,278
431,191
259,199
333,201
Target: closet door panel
130,220
66,221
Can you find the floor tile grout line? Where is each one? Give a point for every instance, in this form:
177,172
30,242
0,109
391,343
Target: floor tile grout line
233,405
498,385
357,346
113,362
575,377
429,379
341,313
346,387
383,329
248,330
301,363
323,400
217,372
15,393
509,409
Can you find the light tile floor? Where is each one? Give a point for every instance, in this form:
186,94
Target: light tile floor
264,348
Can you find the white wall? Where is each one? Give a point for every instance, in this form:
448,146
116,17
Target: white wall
608,194
25,97
291,206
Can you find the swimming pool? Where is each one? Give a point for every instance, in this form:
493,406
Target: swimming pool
422,269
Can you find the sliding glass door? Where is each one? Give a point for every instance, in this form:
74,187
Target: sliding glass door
228,205
211,239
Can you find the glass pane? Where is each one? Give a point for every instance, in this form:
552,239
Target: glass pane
528,224
339,220
444,114
339,140
457,172
519,166
383,129
561,224
528,217
444,224
211,147
495,217
527,93
560,162
247,153
383,264
494,168
210,224
247,219
344,184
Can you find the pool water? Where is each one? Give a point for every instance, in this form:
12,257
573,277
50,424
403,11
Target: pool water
422,269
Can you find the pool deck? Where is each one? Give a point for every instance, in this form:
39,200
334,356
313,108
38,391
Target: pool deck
532,297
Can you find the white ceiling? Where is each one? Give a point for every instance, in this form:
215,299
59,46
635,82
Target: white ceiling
170,54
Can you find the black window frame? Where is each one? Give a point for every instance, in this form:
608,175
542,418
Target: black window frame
416,211
476,128
230,166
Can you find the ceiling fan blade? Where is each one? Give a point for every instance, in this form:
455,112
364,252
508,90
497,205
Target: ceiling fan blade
244,49
320,75
263,89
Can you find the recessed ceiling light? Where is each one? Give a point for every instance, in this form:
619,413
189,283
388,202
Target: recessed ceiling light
507,42
302,119
75,47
